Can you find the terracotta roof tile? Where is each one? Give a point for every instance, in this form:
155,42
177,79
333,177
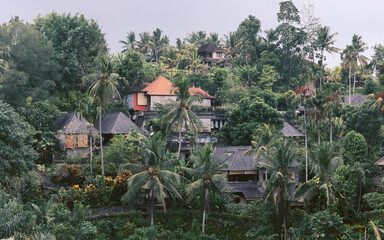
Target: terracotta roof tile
163,87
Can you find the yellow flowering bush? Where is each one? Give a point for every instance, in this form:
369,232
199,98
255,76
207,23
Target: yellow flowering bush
120,185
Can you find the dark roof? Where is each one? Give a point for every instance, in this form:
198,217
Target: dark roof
70,123
357,100
290,131
236,159
115,123
250,190
208,47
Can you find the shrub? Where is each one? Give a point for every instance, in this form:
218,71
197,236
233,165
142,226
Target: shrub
120,185
68,175
355,148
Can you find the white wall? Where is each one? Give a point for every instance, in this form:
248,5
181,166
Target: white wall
161,100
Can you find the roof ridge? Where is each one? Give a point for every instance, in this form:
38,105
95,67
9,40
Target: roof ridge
114,125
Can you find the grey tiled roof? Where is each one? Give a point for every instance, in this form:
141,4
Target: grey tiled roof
71,123
115,123
290,131
357,100
249,189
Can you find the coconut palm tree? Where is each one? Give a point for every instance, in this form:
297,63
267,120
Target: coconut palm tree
103,89
153,174
359,47
332,92
130,44
279,162
207,171
325,41
324,162
181,116
171,59
157,43
348,58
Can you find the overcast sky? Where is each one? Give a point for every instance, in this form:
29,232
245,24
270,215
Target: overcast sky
177,18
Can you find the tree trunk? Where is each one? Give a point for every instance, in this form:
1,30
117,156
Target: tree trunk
349,79
151,206
354,83
101,144
330,133
179,140
90,146
306,145
321,65
284,211
206,208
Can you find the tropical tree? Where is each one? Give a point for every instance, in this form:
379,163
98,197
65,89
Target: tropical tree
130,43
348,58
247,75
325,41
103,89
153,174
332,92
171,59
207,171
157,43
359,47
279,162
181,116
324,162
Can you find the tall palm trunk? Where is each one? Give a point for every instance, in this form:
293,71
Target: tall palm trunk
354,83
179,140
206,207
306,145
330,133
151,205
349,79
101,144
90,146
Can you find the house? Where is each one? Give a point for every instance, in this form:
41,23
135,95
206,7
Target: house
290,131
246,175
378,180
113,123
213,55
72,133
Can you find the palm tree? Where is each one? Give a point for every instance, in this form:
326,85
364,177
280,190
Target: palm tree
332,92
195,60
153,174
324,162
130,44
181,116
325,40
359,46
279,162
103,89
207,171
348,58
264,138
157,43
377,62
171,59
247,75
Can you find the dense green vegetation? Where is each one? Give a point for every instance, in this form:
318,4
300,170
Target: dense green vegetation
60,63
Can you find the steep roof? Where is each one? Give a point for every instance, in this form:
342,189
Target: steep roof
290,131
357,100
208,47
115,123
70,123
380,162
236,159
163,87
251,190
200,92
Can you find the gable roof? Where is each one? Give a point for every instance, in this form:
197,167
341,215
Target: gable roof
115,123
163,87
70,123
290,131
357,100
251,190
380,162
208,47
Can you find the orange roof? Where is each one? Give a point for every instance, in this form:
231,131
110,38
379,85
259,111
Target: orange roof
200,92
163,87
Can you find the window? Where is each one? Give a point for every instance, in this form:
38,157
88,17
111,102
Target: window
142,99
82,141
70,141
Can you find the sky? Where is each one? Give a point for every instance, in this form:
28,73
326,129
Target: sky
178,18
